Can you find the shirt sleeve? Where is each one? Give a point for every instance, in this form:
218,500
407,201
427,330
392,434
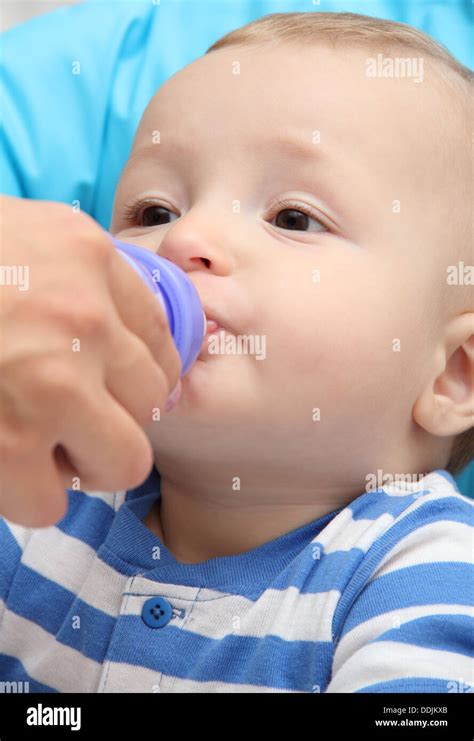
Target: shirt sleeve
410,628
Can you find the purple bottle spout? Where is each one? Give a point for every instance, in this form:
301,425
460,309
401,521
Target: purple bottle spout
176,294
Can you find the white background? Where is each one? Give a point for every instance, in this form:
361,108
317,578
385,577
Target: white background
17,11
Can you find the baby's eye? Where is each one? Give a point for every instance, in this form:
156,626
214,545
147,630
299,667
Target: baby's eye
297,218
156,215
151,215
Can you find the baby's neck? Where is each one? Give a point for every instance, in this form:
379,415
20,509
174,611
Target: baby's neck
196,527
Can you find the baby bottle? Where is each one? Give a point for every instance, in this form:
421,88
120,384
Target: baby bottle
176,294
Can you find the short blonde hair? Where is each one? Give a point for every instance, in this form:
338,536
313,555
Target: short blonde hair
363,31
346,28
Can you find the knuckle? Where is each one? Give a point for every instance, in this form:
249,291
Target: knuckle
61,210
74,220
87,317
54,378
99,248
68,212
10,447
86,235
90,320
158,320
159,339
96,246
130,354
176,368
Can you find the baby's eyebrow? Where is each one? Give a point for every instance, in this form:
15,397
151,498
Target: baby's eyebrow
295,145
291,144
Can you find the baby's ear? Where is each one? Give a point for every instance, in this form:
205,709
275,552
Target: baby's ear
446,405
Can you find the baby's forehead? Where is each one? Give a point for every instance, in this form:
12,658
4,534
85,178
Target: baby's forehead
338,93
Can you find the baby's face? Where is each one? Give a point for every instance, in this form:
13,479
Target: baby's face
341,289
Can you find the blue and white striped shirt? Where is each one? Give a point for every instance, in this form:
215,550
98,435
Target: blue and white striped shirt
376,596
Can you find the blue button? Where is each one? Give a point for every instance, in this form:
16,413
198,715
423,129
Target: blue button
157,612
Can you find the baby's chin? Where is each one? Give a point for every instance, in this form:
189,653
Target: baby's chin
201,381
212,406
204,389
217,391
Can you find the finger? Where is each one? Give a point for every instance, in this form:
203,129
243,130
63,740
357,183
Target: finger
134,379
32,493
142,313
114,454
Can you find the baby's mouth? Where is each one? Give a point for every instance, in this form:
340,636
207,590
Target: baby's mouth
212,326
215,325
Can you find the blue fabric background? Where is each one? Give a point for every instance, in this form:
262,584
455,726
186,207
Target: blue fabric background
66,137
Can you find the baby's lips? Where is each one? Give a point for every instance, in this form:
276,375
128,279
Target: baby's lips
173,398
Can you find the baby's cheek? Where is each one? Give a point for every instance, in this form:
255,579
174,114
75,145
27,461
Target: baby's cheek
347,337
343,349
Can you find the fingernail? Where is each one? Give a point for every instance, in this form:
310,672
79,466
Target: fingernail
173,398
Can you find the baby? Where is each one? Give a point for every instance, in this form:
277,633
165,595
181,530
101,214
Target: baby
301,530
